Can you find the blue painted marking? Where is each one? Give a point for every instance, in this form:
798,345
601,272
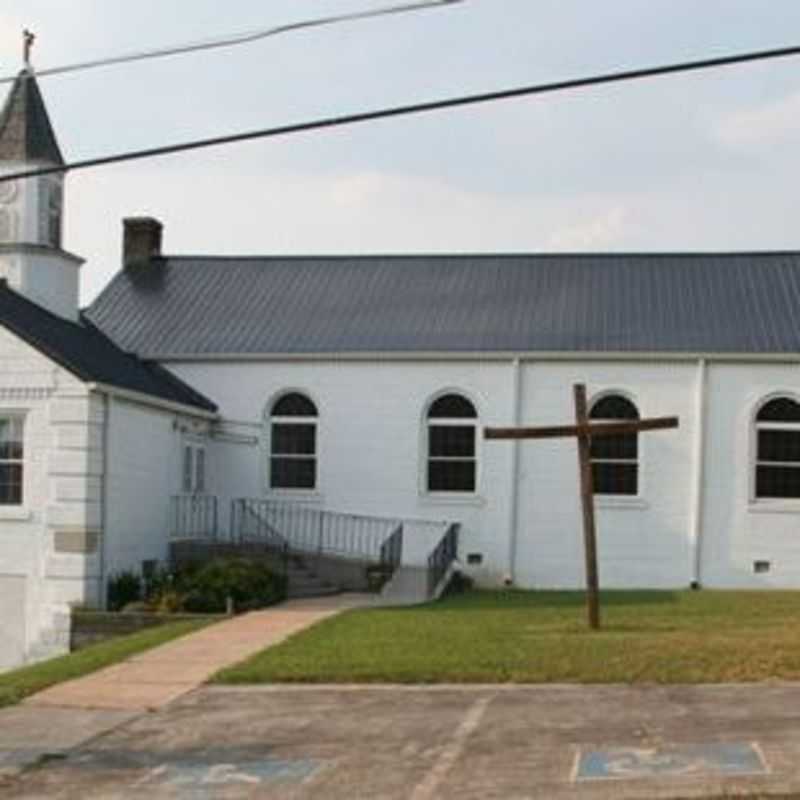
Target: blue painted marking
251,773
672,761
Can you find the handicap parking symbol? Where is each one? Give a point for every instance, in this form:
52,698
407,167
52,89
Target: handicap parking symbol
671,761
203,775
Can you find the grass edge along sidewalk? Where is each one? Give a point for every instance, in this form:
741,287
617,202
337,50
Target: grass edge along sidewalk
20,683
662,637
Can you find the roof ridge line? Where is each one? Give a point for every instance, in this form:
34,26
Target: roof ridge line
471,254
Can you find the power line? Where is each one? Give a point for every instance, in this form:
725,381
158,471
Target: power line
415,108
239,39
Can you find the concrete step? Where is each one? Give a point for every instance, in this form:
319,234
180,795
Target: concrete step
326,590
300,571
309,585
408,586
304,583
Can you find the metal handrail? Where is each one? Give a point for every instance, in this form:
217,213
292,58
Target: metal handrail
311,531
248,528
392,550
442,556
194,516
247,525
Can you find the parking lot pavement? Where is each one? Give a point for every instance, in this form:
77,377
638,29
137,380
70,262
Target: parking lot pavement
29,735
420,743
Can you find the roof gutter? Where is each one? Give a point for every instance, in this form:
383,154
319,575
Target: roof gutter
150,400
476,355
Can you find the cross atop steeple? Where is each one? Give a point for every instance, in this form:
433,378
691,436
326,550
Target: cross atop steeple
28,39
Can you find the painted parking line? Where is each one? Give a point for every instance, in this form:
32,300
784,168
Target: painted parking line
694,760
429,785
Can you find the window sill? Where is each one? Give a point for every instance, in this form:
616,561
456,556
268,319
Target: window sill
620,502
454,499
299,495
16,513
774,507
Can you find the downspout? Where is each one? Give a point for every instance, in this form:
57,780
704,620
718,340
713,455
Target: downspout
107,402
696,523
513,511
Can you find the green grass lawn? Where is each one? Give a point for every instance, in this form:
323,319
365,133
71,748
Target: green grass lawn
533,637
19,684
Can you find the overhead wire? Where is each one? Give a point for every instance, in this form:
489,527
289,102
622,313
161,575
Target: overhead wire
236,40
416,108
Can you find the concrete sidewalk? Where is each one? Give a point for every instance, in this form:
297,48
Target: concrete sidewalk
154,678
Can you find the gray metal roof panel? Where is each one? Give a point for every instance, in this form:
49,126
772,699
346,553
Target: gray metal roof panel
713,303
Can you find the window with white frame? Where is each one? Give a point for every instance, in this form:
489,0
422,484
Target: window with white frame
777,467
452,463
194,469
11,461
293,443
615,459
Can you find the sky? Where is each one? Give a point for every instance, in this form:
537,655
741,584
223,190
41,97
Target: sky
691,162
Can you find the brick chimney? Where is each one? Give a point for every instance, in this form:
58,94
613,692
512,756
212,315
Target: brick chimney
141,240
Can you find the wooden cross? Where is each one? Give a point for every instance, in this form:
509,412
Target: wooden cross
583,430
28,39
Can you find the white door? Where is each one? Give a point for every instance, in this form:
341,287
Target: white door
12,621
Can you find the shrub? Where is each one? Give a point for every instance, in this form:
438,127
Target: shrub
160,581
459,584
124,587
249,584
166,602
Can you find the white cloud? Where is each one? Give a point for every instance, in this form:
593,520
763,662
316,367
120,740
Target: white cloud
603,231
754,128
228,209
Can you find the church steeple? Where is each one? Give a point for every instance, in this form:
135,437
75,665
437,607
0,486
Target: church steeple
31,209
26,135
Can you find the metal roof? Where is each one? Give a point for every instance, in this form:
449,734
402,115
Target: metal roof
26,134
571,303
88,354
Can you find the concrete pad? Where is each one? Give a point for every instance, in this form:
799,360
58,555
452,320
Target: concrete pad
434,743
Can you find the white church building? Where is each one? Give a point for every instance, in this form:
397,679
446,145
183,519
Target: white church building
361,384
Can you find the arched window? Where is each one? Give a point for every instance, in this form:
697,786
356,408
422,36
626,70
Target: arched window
451,427
293,443
615,459
778,449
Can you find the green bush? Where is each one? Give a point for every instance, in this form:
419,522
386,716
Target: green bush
249,584
123,587
161,581
459,584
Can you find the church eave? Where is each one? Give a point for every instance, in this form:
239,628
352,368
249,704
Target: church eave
13,248
526,356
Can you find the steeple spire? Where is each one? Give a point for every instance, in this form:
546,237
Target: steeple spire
26,134
32,209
